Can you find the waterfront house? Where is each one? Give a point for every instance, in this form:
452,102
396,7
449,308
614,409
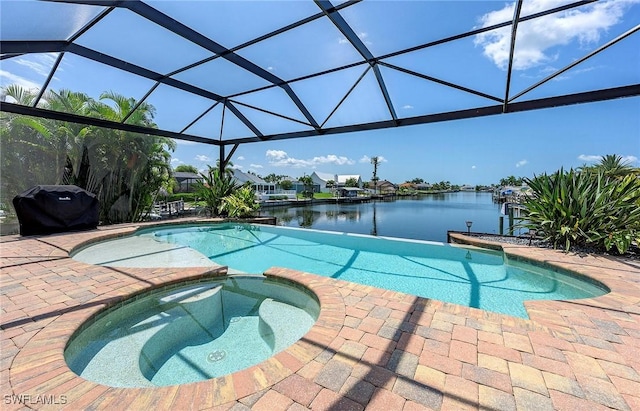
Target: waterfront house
258,184
321,179
384,187
339,180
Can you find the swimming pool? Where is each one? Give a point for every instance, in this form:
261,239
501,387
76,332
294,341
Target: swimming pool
467,276
191,331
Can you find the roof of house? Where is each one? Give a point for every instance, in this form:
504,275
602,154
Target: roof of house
385,183
324,176
185,175
243,177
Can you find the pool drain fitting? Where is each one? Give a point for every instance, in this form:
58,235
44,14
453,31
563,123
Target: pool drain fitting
216,356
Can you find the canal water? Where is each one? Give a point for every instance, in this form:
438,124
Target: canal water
427,217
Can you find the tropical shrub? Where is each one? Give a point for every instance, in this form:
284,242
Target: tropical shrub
241,203
213,188
585,209
308,186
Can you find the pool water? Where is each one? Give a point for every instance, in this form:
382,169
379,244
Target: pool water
467,276
191,332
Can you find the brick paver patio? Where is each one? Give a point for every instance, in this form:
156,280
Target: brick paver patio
370,349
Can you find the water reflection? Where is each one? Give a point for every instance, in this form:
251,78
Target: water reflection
421,217
308,217
374,229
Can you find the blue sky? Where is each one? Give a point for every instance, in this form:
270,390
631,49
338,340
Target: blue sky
474,151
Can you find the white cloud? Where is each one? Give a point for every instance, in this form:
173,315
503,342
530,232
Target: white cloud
40,64
20,81
367,159
240,158
537,39
273,155
521,163
176,161
202,157
407,107
362,36
589,158
332,159
473,167
279,158
255,166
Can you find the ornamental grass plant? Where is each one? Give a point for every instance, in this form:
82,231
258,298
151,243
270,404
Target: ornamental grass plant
585,208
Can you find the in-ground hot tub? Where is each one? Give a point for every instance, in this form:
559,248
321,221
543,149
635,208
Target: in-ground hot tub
191,331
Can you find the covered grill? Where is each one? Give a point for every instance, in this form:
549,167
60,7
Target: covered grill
47,209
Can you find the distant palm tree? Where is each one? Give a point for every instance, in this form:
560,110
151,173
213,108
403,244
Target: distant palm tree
615,166
228,167
375,160
308,186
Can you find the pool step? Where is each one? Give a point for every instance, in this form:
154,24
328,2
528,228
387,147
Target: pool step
280,323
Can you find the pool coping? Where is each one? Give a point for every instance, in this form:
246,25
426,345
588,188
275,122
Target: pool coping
35,332
596,268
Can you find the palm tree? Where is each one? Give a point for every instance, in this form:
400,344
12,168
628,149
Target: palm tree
21,141
615,166
131,167
511,181
123,169
71,138
39,151
308,185
375,160
228,167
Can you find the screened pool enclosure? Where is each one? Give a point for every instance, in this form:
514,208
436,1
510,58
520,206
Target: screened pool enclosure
96,93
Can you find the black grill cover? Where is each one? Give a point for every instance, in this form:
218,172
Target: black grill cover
48,209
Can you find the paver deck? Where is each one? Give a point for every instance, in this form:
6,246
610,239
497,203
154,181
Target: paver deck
370,349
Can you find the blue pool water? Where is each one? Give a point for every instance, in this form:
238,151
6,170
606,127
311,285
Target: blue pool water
475,278
191,332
